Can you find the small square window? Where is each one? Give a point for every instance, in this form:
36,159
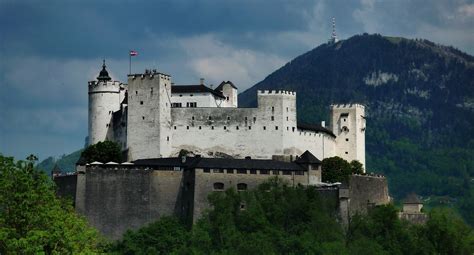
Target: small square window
212,127
237,127
347,139
192,118
141,102
276,127
187,127
228,118
199,127
225,127
206,170
273,118
347,152
250,127
264,128
143,117
174,127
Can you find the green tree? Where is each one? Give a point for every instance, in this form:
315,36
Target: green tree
103,152
165,236
448,233
336,169
33,220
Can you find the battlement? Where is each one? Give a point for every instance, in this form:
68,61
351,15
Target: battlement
276,92
108,83
151,74
347,106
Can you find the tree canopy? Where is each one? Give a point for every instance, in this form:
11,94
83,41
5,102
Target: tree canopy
103,152
33,220
336,169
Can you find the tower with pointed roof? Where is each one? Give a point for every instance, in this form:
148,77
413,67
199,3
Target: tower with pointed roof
104,100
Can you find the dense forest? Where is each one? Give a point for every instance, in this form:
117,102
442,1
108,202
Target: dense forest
419,99
275,218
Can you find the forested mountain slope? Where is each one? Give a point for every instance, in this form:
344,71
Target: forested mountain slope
419,99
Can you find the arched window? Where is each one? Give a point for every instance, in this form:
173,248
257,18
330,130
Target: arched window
218,186
242,186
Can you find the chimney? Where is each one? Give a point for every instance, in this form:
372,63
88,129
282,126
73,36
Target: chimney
201,81
323,124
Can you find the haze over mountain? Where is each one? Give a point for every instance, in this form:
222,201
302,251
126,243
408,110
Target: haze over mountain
419,99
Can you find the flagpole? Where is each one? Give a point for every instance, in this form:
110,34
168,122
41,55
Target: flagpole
130,63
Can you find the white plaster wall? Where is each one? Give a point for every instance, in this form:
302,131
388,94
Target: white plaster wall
149,119
202,99
231,93
104,99
350,145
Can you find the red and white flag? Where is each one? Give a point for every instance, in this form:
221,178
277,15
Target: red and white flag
133,53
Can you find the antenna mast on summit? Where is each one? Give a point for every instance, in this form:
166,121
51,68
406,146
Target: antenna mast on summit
333,35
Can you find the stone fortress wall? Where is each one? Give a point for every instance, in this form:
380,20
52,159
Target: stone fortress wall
271,129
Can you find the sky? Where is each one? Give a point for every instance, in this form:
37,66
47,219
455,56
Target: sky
50,49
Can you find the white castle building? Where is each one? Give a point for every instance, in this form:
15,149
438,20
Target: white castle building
150,117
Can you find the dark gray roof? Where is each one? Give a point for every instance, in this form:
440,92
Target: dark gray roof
221,163
412,198
307,158
219,88
257,164
316,128
194,89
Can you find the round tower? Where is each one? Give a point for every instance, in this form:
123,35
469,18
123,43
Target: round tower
104,100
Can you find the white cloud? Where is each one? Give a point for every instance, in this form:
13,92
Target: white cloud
215,61
466,10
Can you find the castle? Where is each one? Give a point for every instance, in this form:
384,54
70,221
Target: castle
153,118
184,142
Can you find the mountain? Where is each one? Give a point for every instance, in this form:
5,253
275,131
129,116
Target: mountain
67,163
419,99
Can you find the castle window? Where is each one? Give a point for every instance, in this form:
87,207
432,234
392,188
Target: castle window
345,129
276,127
228,118
151,91
273,109
347,152
347,139
293,128
241,186
167,138
241,171
206,170
344,120
245,118
143,117
218,186
264,128
141,102
192,118
237,127
176,105
286,118
286,109
254,119
250,127
210,117
212,127
136,92
230,171
180,95
187,127
273,118
199,127
175,127
225,127
287,128
227,98
264,172
275,172
191,95
253,171
286,172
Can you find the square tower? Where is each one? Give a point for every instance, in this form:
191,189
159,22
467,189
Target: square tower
149,115
348,124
